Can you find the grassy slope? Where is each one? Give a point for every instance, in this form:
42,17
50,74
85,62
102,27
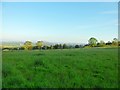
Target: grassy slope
82,68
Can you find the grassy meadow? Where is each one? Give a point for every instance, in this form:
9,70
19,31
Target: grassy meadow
68,68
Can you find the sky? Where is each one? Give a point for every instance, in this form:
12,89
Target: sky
66,22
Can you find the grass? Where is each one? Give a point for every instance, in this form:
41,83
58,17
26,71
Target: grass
72,68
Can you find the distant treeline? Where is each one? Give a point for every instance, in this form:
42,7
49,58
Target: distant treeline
92,42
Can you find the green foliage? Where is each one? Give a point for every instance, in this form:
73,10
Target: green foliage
55,46
115,42
101,44
28,45
118,43
109,43
60,46
77,46
92,41
39,44
51,47
87,47
67,68
65,46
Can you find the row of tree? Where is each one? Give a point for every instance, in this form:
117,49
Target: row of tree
40,45
92,42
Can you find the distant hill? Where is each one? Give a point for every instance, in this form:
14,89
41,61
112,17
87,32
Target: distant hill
12,43
18,44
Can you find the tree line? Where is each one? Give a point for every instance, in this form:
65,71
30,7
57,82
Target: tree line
92,42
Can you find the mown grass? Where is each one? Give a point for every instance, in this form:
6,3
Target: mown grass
73,68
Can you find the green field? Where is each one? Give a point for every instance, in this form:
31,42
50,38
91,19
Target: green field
68,68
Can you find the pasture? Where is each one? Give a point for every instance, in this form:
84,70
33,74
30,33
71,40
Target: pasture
68,68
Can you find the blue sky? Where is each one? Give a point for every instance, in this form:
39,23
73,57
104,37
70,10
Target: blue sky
59,22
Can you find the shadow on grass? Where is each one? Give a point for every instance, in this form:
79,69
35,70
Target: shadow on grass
39,54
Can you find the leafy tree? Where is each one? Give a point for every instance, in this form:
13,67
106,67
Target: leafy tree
115,42
35,47
51,47
108,43
118,43
60,46
92,41
65,46
77,46
28,45
48,47
71,46
21,48
44,47
102,43
39,44
115,39
81,46
56,46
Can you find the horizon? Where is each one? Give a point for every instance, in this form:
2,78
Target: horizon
63,22
33,42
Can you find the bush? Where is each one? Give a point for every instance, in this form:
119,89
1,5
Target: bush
21,48
77,46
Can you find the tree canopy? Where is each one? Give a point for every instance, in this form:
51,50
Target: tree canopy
28,45
39,44
92,41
